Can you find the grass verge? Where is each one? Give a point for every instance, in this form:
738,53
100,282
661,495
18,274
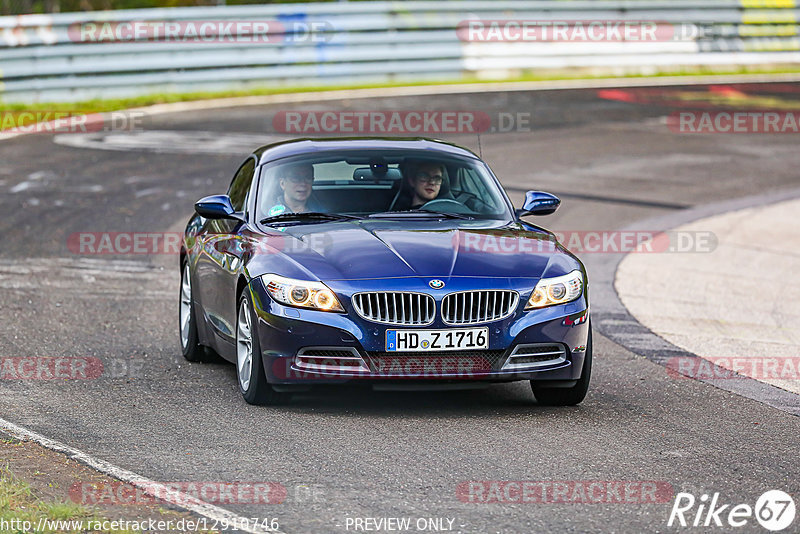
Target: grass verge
36,489
21,510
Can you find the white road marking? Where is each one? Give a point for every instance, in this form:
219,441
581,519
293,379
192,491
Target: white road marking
22,186
149,191
150,487
169,142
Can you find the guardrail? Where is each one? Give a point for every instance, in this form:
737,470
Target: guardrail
76,56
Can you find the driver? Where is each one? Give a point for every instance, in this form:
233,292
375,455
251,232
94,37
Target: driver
295,181
426,182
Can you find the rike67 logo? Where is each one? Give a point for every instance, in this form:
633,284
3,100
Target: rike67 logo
774,510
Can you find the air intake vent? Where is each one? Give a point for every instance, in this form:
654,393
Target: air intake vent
330,359
435,363
535,355
394,307
474,307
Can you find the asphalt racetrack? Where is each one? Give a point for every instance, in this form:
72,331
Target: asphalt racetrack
346,453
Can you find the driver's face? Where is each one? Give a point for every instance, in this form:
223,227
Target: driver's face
296,183
427,182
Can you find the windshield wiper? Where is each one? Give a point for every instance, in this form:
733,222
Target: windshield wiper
420,214
306,217
450,215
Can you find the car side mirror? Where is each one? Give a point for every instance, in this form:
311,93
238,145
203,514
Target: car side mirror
216,207
539,203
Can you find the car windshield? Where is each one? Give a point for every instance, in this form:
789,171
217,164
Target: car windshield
389,184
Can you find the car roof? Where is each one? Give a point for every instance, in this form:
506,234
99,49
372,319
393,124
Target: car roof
296,147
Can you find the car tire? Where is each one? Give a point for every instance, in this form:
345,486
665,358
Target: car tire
191,348
250,375
567,396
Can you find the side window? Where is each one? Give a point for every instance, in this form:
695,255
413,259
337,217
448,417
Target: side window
240,185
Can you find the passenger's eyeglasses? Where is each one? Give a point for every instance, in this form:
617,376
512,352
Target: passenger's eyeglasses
433,180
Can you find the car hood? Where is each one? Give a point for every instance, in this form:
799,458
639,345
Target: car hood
389,249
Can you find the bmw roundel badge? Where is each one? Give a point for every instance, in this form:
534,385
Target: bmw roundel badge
436,284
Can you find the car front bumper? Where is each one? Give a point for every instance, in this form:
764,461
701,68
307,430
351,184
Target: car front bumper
308,347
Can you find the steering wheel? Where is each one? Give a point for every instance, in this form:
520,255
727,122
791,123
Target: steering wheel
447,204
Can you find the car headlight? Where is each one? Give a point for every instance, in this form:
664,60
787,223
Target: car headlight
558,290
301,293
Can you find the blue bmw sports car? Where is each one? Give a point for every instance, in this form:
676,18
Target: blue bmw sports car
396,263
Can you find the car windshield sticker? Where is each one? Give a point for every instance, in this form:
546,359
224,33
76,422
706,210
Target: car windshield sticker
277,209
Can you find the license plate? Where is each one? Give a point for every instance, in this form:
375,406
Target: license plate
430,340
